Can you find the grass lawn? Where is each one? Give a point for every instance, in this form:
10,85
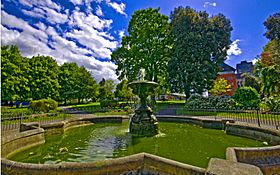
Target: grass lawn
93,104
112,113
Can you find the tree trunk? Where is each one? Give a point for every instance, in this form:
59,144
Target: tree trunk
11,103
65,101
79,100
187,91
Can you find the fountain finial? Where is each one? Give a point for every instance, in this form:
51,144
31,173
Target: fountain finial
141,74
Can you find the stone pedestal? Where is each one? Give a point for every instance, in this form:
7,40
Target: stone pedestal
143,123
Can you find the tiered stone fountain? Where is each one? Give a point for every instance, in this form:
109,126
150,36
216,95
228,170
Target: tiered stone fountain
143,122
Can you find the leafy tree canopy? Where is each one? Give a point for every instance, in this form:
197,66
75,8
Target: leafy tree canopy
14,78
146,46
123,92
251,81
43,75
220,87
106,89
273,27
200,45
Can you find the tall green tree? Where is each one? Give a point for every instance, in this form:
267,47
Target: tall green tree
87,87
69,81
106,89
14,79
147,45
269,64
201,44
272,25
123,92
43,77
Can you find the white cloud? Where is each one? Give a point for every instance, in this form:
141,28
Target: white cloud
234,48
41,3
77,2
37,13
121,33
9,35
55,17
99,11
92,33
255,60
118,7
206,4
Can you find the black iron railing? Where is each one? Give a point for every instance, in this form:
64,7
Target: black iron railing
12,122
253,116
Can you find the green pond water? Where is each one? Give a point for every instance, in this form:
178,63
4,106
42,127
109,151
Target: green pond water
181,142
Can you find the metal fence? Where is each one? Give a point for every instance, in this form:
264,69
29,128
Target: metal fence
254,117
11,122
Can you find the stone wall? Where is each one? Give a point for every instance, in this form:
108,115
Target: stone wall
14,142
205,123
138,164
262,134
267,158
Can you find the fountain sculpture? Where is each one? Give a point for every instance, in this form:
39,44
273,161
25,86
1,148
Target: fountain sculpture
143,122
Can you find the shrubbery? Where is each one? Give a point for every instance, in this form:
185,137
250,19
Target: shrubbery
247,97
197,101
273,103
43,105
108,104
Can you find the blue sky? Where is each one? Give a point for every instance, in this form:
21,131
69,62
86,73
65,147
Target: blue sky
87,31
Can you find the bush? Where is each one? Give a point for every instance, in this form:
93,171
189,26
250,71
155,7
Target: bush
273,103
108,103
197,101
247,97
43,105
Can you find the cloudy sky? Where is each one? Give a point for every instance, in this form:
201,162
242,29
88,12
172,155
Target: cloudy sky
87,31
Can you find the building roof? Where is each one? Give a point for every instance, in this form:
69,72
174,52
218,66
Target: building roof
226,68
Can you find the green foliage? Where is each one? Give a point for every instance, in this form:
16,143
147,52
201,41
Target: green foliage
247,97
146,46
43,77
200,47
108,103
273,103
123,92
43,105
220,87
270,77
14,78
87,85
196,101
69,80
273,26
106,89
251,81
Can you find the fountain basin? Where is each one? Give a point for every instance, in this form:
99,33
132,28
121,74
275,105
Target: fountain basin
129,161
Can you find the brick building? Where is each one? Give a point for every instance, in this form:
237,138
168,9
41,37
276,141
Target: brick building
228,73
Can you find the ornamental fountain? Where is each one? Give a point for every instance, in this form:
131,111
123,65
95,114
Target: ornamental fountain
143,122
